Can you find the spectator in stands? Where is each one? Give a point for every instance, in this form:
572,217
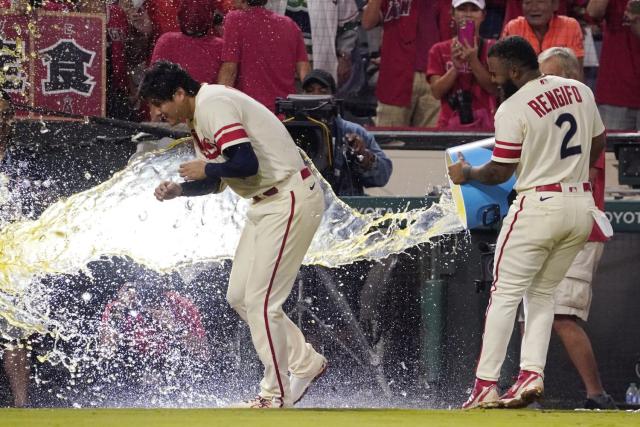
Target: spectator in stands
543,29
164,13
152,324
409,31
359,161
128,32
263,52
459,75
194,47
618,83
632,16
329,29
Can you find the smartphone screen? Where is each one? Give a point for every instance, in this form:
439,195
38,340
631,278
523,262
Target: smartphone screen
466,32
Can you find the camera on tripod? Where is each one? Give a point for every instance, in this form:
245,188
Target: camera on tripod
310,119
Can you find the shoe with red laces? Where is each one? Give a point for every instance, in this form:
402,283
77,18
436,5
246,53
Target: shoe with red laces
484,395
260,402
527,389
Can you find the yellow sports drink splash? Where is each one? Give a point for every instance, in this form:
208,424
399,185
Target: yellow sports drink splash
122,218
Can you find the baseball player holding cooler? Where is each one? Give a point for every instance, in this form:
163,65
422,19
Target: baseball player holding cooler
548,131
240,143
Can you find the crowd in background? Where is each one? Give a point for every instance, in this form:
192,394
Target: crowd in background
407,63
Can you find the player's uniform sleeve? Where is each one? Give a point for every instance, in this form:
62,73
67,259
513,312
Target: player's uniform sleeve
221,122
232,38
509,137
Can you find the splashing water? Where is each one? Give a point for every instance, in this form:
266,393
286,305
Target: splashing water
121,218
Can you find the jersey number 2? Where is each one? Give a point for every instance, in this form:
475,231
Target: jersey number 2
565,150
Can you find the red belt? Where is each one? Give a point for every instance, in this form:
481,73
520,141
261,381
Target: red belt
558,187
304,173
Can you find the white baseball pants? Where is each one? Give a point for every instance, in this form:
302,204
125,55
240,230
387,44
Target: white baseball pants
540,237
274,241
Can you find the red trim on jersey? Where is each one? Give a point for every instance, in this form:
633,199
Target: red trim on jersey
506,154
266,298
497,273
232,136
223,128
508,144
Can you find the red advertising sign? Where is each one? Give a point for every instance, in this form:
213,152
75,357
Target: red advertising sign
66,60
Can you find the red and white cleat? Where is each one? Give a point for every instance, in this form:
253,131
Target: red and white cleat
527,389
260,402
484,395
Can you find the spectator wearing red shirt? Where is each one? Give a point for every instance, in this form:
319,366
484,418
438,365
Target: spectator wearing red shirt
618,84
459,76
263,52
543,29
409,31
194,47
146,321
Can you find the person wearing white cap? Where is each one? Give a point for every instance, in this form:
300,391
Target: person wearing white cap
458,72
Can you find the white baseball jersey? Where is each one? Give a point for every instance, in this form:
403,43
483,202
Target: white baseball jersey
546,127
225,117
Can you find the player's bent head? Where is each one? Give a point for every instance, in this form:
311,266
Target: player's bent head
515,51
560,61
161,81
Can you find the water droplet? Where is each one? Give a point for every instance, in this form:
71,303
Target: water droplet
86,297
87,175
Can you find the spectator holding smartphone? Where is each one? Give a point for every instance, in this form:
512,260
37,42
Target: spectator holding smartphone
458,72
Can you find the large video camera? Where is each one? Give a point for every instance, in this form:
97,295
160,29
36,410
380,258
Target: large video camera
310,121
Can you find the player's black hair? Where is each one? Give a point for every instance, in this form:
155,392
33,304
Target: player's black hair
515,50
257,2
163,79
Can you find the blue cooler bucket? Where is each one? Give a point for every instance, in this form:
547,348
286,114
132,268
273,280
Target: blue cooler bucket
479,205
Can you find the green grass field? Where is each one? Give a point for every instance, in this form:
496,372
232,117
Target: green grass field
309,417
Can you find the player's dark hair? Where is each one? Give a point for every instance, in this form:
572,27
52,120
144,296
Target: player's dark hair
515,50
257,2
163,79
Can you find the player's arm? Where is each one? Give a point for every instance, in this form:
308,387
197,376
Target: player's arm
490,173
597,8
241,162
597,145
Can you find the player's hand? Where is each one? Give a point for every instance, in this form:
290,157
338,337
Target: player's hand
193,170
167,190
456,170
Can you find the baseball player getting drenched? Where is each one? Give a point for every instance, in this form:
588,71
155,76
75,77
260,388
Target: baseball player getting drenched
548,131
239,143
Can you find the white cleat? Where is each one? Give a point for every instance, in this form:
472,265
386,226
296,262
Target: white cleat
483,396
527,389
300,385
260,402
